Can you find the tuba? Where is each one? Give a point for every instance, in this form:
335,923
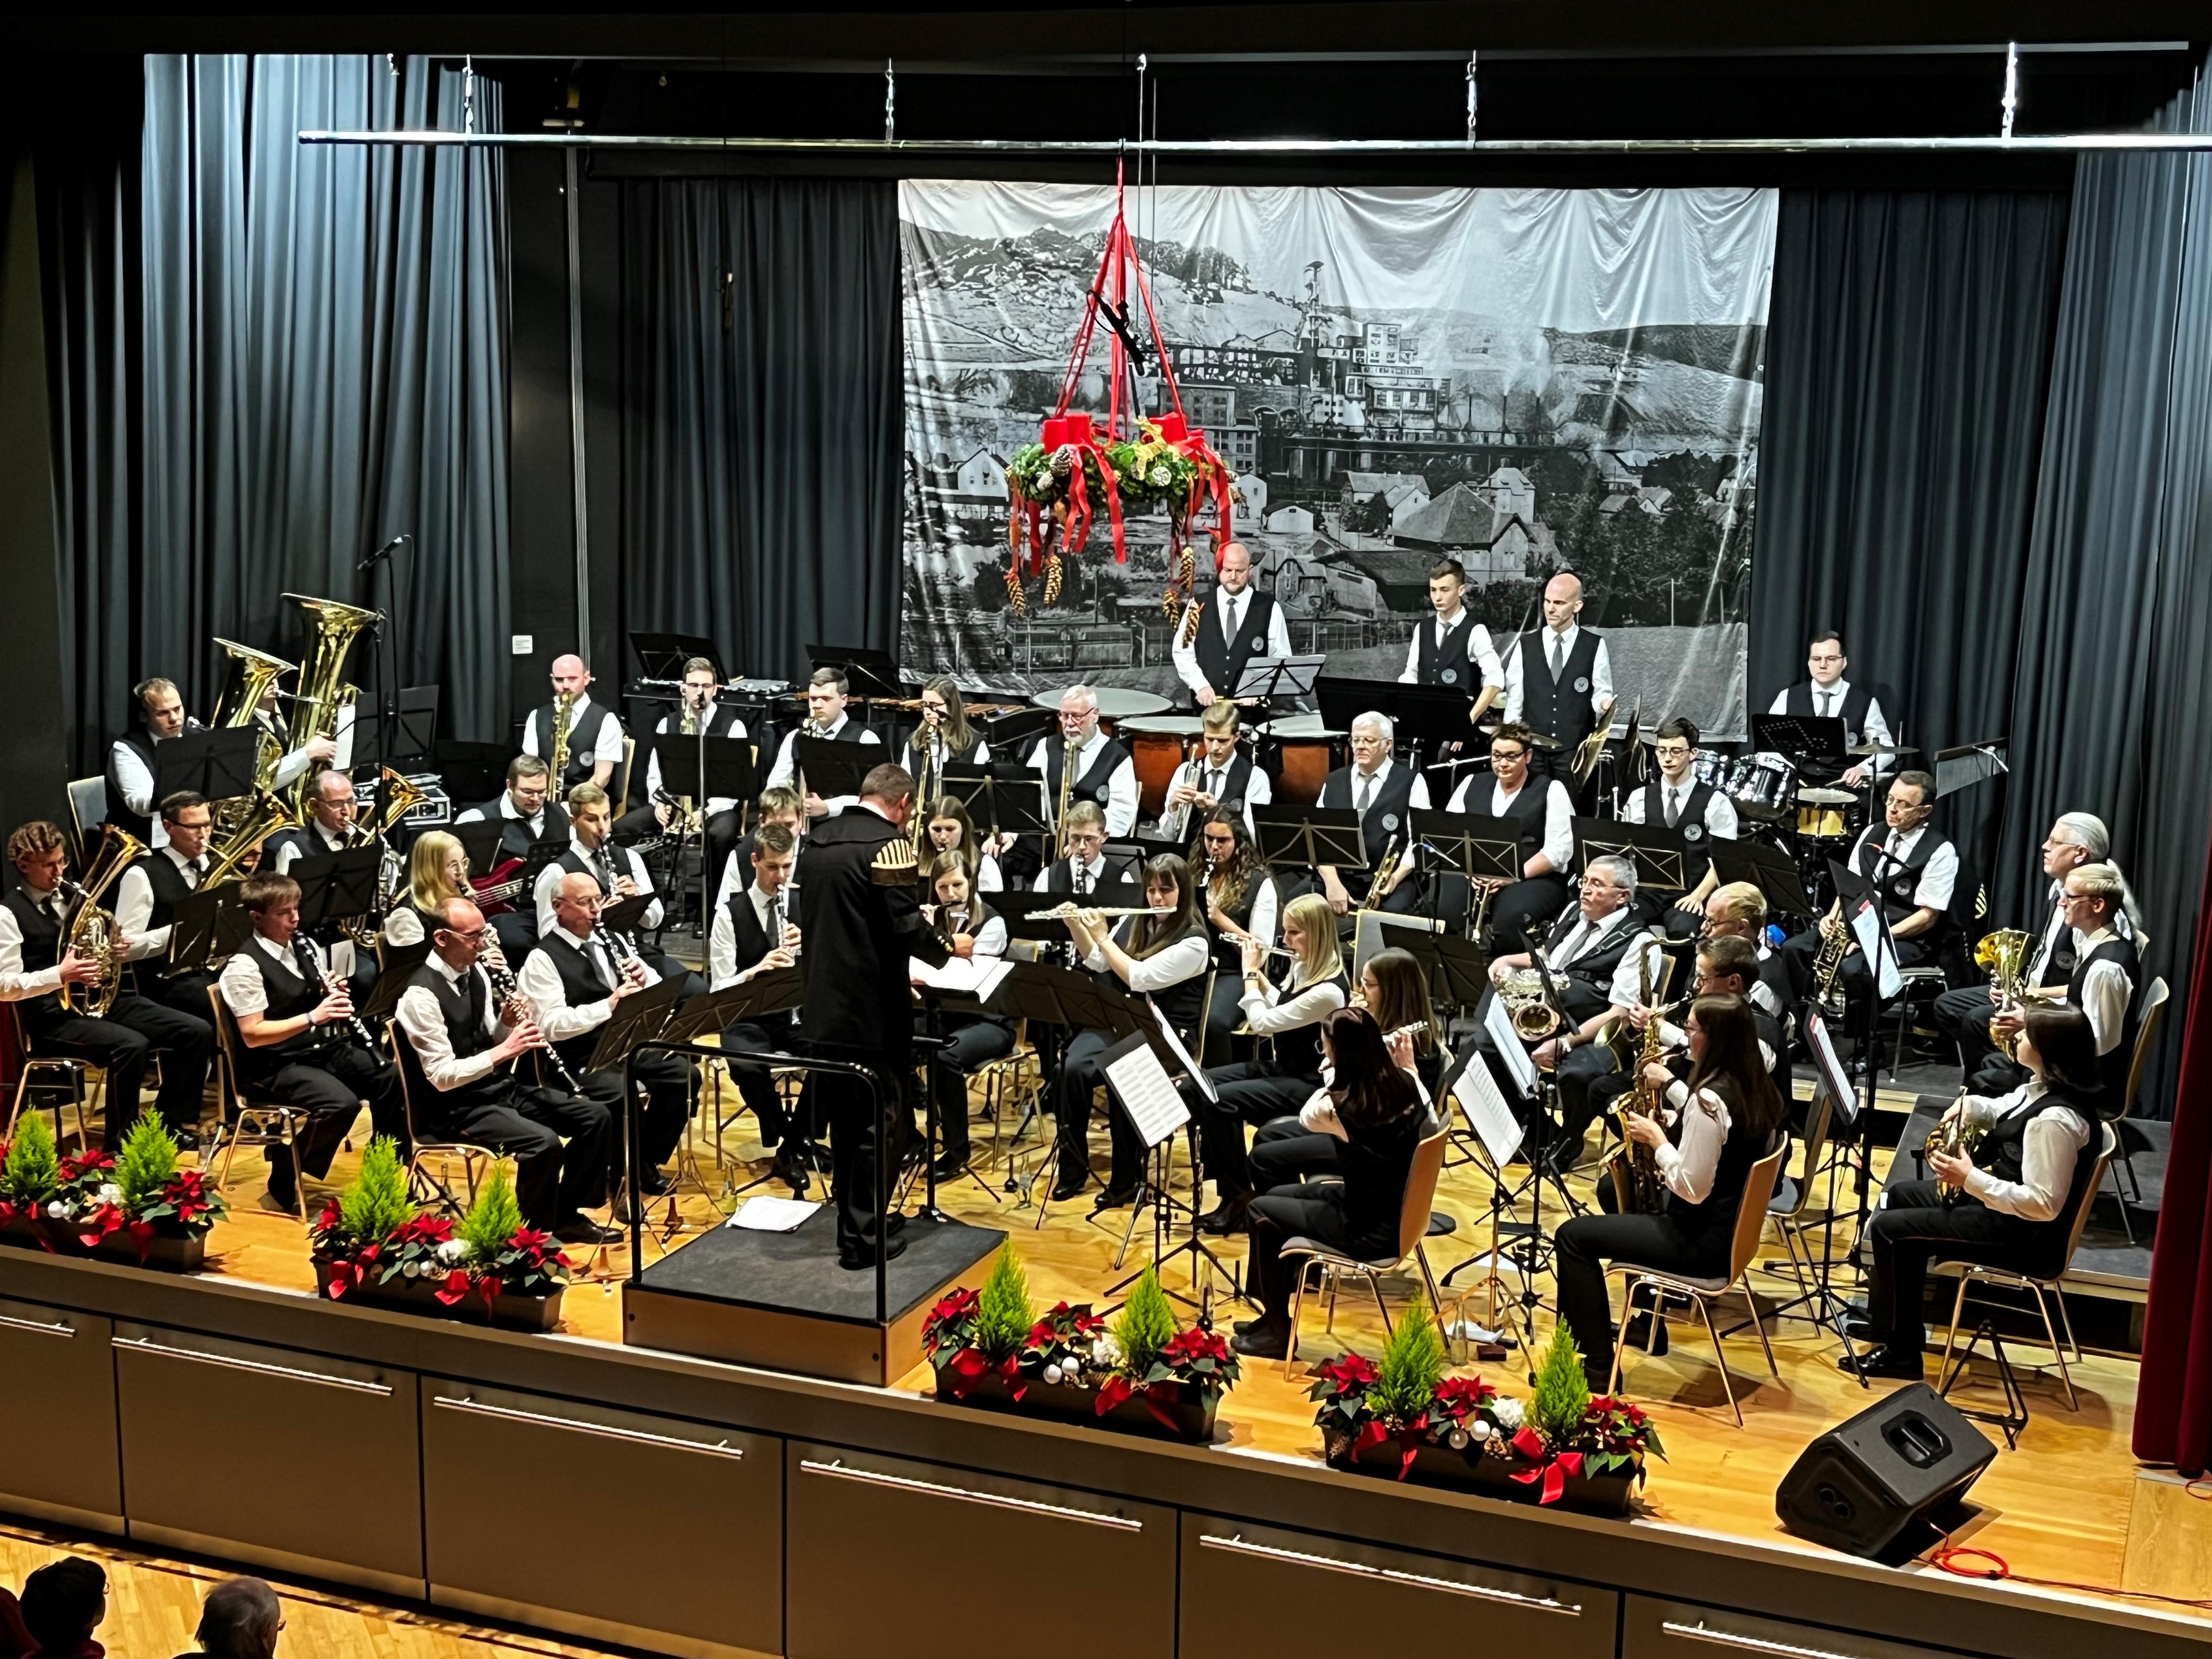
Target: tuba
267,815
92,932
323,694
256,671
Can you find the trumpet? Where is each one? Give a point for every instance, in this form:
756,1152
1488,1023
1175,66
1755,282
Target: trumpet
1385,869
1174,821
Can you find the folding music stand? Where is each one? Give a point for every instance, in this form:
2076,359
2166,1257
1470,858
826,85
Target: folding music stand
700,768
639,1018
1801,737
1157,1113
1344,701
1767,868
1660,855
776,992
219,765
833,769
480,840
1968,764
1270,680
337,886
1857,894
411,728
396,965
870,675
1304,837
1009,733
662,656
206,926
1472,846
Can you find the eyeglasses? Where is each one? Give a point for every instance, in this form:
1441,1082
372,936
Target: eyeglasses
1507,754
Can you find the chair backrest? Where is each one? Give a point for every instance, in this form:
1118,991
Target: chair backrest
2155,996
1818,1118
1751,1212
230,1074
1205,1020
2085,1199
414,1085
621,789
1421,1179
88,804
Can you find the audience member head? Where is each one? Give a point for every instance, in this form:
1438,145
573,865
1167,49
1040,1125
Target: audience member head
63,1604
240,1620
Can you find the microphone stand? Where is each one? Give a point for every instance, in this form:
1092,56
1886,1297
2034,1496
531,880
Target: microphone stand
387,713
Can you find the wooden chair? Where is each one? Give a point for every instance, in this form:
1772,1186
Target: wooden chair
2044,1285
1750,1225
87,804
71,1070
1786,1208
428,1182
248,1113
2156,995
1412,1227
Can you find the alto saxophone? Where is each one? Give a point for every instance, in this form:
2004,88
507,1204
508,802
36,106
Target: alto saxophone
559,760
1635,1167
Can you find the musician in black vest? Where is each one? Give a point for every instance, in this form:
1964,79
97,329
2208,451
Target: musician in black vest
1559,679
1827,694
827,693
620,872
1454,650
464,1035
146,900
1384,795
1242,905
1163,957
860,909
1220,774
2018,1190
594,734
1726,1117
333,812
973,1041
296,1037
698,723
35,922
780,805
1243,625
942,737
1963,1012
1105,772
130,756
1538,808
754,934
575,978
2104,979
1916,868
1737,909
525,814
1084,869
1681,801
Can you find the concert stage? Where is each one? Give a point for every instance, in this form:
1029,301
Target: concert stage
780,1300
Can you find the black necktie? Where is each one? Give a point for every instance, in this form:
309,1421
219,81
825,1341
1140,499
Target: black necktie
474,995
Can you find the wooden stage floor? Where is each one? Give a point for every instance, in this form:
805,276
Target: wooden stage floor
2070,1504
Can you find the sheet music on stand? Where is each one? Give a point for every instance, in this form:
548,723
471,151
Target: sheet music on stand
1002,798
773,992
1480,1098
1135,1078
1861,902
1968,764
219,763
968,977
1660,855
1470,844
337,886
1804,737
1833,1077
1498,1022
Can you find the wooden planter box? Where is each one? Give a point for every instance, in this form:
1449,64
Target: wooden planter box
508,1311
171,1252
1192,1418
1473,1470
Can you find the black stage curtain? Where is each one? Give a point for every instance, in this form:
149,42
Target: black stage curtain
761,385
292,354
1907,358
2112,694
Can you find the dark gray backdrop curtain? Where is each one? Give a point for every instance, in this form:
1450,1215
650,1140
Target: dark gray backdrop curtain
761,414
297,352
1907,356
2112,693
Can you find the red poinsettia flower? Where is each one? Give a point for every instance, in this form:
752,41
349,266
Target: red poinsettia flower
1350,1371
1459,1397
1193,1344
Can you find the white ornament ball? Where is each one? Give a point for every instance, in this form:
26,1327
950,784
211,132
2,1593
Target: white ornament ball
1458,1438
54,1210
1480,1431
1052,1373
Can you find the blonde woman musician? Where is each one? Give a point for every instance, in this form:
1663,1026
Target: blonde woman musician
437,870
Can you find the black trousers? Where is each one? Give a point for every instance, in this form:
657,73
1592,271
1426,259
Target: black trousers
1587,1243
971,1043
1580,1075
855,1134
135,1027
553,1181
1223,1014
1252,1092
1530,906
1284,1152
1080,1077
1801,950
1914,1227
1963,1014
331,1083
666,1082
1306,1211
757,1083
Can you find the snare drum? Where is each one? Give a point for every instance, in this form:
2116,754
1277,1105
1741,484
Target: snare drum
1710,767
1766,785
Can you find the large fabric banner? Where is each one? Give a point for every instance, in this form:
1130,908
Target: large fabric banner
1525,381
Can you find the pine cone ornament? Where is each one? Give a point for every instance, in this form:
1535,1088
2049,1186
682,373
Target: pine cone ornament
1064,462
1190,621
1052,576
1017,601
1186,569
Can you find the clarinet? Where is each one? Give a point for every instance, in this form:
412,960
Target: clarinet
612,943
329,981
504,988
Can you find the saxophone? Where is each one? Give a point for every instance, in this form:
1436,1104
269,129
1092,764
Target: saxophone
1635,1167
1828,966
559,761
92,932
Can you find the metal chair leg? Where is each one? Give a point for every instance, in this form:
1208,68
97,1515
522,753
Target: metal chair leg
1375,1283
1298,1309
2066,1324
1627,1307
2058,1352
1951,1336
1758,1323
1428,1277
1728,1384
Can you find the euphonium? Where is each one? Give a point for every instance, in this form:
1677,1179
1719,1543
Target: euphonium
1533,1018
1955,1135
267,816
92,936
256,671
323,694
2002,956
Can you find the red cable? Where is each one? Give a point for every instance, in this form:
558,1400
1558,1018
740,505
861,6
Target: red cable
1945,1554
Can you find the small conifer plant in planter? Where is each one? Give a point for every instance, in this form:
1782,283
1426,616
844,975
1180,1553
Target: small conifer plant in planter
135,1206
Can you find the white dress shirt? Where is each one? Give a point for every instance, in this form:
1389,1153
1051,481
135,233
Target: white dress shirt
1267,902
134,904
16,985
1088,877
244,990
784,774
2102,990
1121,804
735,729
624,862
1626,990
1937,877
1600,678
1828,700
991,937
1227,618
1688,1162
1208,780
940,756
722,939
2049,1149
541,981
419,1017
1271,1012
594,735
1558,844
316,844
1719,813
1170,965
1481,654
536,821
1371,784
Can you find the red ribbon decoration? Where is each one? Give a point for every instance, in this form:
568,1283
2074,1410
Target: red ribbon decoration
455,1288
1554,1474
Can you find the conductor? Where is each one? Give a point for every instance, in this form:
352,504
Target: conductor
859,902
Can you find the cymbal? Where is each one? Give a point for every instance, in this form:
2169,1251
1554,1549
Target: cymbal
1813,796
1881,748
1537,740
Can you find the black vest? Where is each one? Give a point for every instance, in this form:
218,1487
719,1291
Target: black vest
717,723
1899,877
1999,1152
1228,955
464,1030
1236,778
1527,812
1388,815
2112,1064
1451,666
1714,1220
139,743
306,840
515,836
2058,964
291,993
581,757
581,984
619,859
1095,782
170,888
1222,662
1562,708
42,948
1853,711
1183,1002
1595,967
1691,823
753,943
1297,1051
1115,879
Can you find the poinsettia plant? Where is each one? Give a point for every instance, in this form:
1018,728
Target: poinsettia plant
141,1193
1157,1355
1572,1434
1408,1401
30,1175
371,1235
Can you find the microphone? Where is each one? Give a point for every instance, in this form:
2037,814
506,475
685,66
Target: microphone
385,551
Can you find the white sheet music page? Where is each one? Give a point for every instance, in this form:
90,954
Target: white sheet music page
1142,1083
1499,1024
1823,1044
1873,940
1477,1092
975,976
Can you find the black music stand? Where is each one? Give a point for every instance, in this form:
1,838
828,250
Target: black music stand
206,926
640,1017
409,732
480,840
1002,798
661,656
1852,892
396,966
1309,836
1767,868
1660,855
1968,764
700,768
870,675
832,769
1270,680
1159,1152
1007,733
775,991
1819,738
1470,845
337,886
1343,701
218,765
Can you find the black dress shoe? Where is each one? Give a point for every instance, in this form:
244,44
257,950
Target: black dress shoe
1560,1158
861,1261
949,1166
1116,1198
187,1140
655,1184
894,1224
1069,1187
791,1172
1903,1365
1226,1217
582,1229
1266,1339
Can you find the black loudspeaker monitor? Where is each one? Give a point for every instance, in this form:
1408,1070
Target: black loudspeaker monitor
1861,1486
